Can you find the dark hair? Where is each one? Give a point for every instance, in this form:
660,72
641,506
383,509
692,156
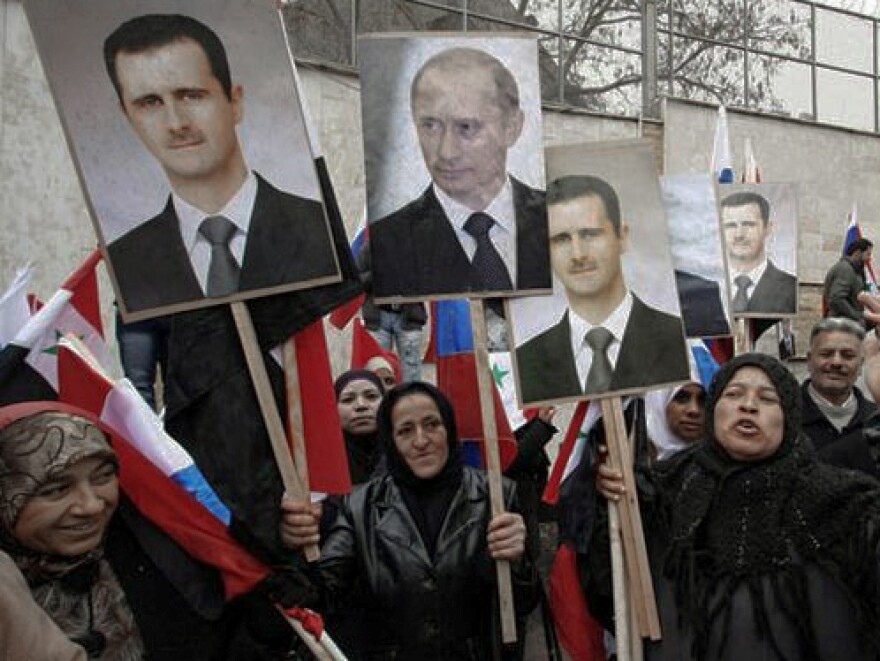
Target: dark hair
357,375
572,187
859,244
837,325
505,83
144,33
744,198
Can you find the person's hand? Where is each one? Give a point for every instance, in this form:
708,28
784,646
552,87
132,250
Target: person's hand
546,414
300,523
609,481
507,536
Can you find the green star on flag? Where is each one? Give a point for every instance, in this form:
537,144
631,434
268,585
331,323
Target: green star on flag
498,374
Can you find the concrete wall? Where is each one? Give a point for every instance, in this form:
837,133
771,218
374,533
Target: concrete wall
834,167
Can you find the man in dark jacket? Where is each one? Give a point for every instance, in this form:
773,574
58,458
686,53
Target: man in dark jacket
845,281
833,407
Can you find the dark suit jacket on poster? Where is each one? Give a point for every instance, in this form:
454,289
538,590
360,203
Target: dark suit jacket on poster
653,352
776,292
288,241
701,307
415,251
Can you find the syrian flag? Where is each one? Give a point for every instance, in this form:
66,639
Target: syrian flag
457,378
722,163
163,482
29,362
364,347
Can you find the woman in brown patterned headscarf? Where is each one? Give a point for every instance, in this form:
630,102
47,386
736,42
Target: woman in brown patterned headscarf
58,493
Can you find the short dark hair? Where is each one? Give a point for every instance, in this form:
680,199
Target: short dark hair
144,33
859,244
574,186
744,198
505,82
837,325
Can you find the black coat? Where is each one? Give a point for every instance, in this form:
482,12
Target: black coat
821,432
418,607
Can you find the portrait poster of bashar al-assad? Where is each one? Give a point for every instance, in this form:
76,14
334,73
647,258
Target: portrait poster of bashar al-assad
454,166
613,325
759,225
697,254
186,128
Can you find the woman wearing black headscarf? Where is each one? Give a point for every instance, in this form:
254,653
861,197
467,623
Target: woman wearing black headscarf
421,540
757,550
358,394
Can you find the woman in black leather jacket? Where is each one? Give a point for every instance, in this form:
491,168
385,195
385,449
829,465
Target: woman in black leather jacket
419,542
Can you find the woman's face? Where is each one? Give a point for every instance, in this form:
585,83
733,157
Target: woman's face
420,435
684,413
357,406
749,421
69,514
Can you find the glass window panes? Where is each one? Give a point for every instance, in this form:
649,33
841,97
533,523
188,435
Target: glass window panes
602,79
548,65
719,20
845,99
844,41
780,86
781,27
542,14
705,72
616,23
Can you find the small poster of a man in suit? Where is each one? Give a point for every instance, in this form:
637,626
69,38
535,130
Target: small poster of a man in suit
697,254
613,325
186,126
452,143
759,223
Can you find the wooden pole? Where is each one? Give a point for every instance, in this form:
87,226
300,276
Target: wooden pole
622,610
266,399
742,339
635,551
295,429
493,460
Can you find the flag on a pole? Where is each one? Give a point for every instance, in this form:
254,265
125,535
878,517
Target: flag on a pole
457,378
722,162
752,173
29,362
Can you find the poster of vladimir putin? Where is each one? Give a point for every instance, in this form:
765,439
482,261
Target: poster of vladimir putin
185,123
759,224
613,325
455,177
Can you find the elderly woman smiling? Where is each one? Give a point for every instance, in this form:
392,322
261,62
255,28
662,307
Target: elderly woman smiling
107,578
757,550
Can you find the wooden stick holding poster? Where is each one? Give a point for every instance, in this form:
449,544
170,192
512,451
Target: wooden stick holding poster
635,551
493,460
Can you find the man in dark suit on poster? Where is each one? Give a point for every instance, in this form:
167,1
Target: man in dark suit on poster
758,285
224,229
475,228
608,339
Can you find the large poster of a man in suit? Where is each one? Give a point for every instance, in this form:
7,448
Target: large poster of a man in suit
759,223
452,142
187,130
697,254
613,325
